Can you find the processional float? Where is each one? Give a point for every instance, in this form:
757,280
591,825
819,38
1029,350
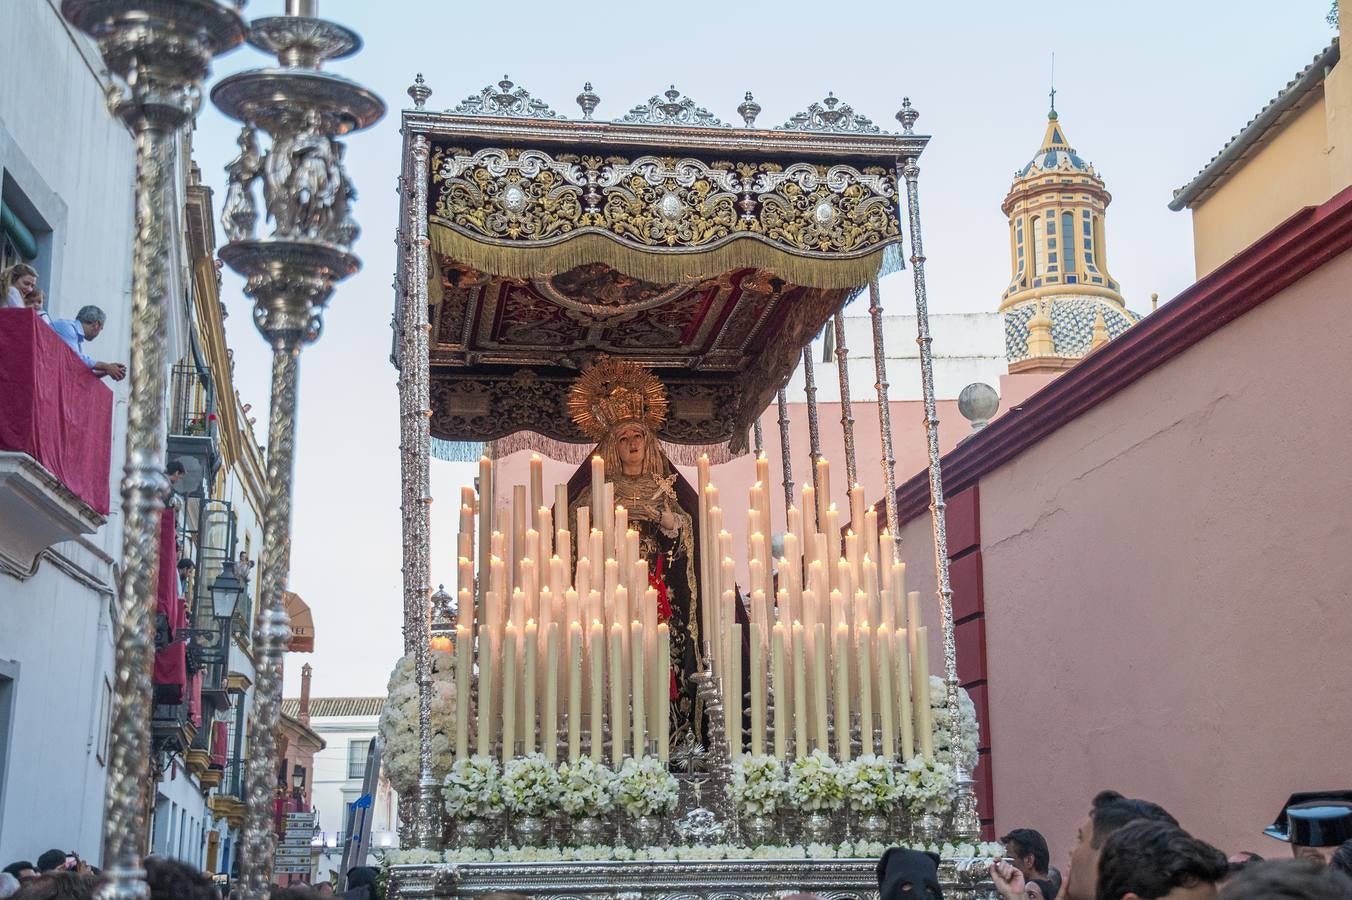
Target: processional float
570,283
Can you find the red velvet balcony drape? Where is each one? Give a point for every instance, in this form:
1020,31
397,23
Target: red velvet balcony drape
53,408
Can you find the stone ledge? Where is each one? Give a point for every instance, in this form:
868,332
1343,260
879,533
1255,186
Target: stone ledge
37,511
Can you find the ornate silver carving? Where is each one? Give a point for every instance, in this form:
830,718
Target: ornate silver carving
419,91
760,879
506,100
825,117
239,213
846,407
907,116
813,434
290,276
159,53
748,109
785,454
672,108
588,100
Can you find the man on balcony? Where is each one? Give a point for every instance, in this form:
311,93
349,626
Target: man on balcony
86,326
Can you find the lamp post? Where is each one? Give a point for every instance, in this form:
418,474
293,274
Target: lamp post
159,53
290,275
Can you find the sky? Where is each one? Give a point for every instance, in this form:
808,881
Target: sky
1148,91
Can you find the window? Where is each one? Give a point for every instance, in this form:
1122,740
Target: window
1038,238
356,758
1068,229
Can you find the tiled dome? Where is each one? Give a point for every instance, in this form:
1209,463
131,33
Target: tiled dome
1072,318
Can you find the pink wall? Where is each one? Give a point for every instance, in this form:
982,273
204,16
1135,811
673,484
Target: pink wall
1166,580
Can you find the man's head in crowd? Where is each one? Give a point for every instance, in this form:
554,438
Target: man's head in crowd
1288,879
52,860
1028,849
1109,812
1148,860
170,878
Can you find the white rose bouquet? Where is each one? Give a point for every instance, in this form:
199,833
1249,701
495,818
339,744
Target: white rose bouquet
585,788
869,782
473,788
399,721
530,785
928,786
644,787
758,784
969,732
814,783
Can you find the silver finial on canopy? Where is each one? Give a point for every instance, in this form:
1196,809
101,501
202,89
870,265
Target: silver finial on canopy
588,100
907,116
419,91
831,116
506,100
672,108
748,110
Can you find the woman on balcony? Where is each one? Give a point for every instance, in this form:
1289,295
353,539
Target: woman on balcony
18,281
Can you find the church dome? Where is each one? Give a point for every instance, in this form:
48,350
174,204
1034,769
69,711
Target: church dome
1056,154
1074,319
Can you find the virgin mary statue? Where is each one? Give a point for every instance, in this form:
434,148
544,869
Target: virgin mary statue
621,405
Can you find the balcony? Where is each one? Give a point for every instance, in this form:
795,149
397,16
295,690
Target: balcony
56,421
194,436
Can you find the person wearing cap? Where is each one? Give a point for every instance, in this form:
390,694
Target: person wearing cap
1314,823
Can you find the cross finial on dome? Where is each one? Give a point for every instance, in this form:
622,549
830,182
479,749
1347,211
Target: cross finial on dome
1051,114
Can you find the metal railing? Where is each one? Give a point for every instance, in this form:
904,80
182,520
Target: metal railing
194,401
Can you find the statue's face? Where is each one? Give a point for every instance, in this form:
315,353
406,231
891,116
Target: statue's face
630,444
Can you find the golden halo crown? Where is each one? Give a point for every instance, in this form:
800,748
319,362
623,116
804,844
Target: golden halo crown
614,392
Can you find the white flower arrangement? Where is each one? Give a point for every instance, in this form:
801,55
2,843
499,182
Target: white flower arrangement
399,721
473,788
869,782
870,850
530,784
927,786
969,731
644,787
585,788
758,784
814,783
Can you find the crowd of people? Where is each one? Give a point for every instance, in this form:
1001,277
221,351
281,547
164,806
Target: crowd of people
62,875
19,287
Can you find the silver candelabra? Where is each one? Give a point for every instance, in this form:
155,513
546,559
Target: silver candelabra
290,275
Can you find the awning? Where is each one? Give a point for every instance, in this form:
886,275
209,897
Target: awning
302,623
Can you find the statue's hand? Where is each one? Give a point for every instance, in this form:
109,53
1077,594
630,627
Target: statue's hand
668,520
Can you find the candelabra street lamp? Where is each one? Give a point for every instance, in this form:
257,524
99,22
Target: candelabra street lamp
159,53
290,275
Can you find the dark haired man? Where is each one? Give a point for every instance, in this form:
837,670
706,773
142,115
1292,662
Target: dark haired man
22,870
1159,861
53,860
1109,812
1288,879
1028,849
169,879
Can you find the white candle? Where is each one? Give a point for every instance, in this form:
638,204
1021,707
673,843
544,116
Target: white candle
617,715
636,697
901,670
819,688
857,509
509,675
783,691
598,486
519,525
597,657
824,496
811,520
464,640
757,662
537,482
843,693
664,692
549,721
574,691
886,719
800,747
530,684
485,519
922,701
484,725
864,659
544,527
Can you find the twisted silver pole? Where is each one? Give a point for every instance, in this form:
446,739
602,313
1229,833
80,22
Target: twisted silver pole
813,435
415,460
782,401
875,313
159,53
965,822
846,409
272,628
758,437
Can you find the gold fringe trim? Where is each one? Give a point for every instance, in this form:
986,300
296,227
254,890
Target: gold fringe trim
566,452
659,265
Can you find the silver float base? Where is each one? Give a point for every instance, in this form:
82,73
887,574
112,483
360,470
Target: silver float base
725,879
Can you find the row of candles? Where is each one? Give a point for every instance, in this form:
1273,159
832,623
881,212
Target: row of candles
832,630
572,649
